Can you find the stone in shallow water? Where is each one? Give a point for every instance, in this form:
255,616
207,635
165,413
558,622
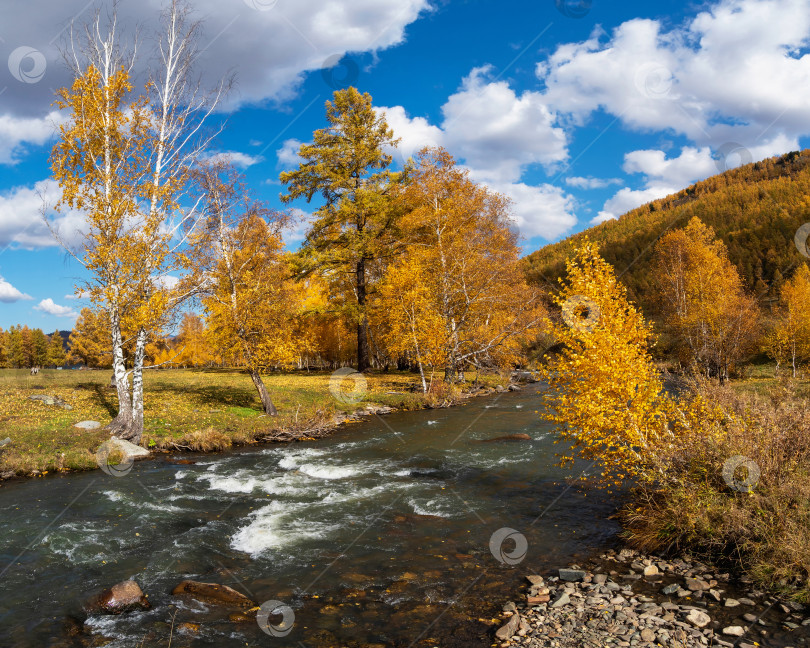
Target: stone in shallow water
212,593
670,589
734,631
730,602
572,575
121,597
509,628
698,619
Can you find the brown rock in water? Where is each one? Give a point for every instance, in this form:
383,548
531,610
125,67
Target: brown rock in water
213,593
121,597
520,436
509,628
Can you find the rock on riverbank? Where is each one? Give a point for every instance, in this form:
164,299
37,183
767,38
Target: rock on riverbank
635,600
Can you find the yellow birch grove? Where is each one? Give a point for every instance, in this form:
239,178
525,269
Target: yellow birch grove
102,168
236,256
712,319
789,339
123,159
456,297
604,390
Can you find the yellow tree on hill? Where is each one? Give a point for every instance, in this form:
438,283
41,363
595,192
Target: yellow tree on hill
703,302
604,390
237,254
456,297
789,340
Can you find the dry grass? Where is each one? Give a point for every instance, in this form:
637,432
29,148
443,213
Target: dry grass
206,410
764,532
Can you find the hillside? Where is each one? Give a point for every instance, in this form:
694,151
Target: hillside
755,209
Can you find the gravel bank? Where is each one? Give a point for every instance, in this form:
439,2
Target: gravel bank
628,599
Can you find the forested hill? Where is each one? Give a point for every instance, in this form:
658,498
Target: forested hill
755,209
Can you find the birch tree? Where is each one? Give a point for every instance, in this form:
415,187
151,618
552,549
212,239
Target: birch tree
244,277
123,159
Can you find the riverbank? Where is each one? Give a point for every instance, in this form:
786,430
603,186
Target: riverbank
627,598
190,410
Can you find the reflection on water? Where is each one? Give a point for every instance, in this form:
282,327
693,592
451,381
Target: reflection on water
369,535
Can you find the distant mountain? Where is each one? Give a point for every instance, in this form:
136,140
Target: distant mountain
755,209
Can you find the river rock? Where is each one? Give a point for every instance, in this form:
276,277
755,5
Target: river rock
51,400
509,628
121,597
127,449
651,570
562,599
572,575
213,593
734,631
670,589
698,619
520,436
730,602
87,425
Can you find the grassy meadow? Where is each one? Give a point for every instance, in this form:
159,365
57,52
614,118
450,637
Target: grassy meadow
185,409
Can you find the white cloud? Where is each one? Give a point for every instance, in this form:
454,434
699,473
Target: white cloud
48,306
627,199
17,131
9,294
414,133
692,164
544,210
287,155
298,226
21,222
590,182
733,73
236,158
664,176
82,294
497,134
269,50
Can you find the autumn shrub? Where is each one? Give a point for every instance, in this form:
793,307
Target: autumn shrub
755,518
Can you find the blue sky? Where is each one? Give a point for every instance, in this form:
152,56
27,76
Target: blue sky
578,111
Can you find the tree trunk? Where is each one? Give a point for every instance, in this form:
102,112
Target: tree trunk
122,423
136,429
267,404
449,372
362,325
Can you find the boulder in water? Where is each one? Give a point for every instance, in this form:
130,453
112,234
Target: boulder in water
213,593
520,436
121,597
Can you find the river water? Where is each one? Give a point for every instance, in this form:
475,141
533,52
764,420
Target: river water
386,533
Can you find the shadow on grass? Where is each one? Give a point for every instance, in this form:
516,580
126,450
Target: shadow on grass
221,395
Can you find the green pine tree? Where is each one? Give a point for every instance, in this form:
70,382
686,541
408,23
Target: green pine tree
347,165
